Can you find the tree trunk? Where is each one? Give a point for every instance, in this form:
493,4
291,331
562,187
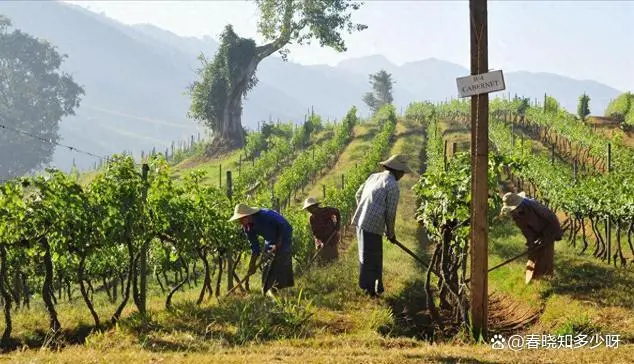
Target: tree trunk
126,294
84,292
158,279
17,288
106,287
6,298
47,288
168,302
219,281
91,288
207,280
26,292
69,291
231,130
114,281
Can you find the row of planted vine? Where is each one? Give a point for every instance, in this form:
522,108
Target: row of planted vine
298,174
274,146
443,196
572,138
592,201
57,233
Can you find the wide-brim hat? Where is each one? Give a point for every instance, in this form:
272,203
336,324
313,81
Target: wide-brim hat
511,201
396,162
311,201
241,210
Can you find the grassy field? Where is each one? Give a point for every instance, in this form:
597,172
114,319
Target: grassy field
326,319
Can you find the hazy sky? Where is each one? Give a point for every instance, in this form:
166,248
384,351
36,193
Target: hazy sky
579,39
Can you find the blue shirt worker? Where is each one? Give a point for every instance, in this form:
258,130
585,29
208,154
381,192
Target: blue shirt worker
278,235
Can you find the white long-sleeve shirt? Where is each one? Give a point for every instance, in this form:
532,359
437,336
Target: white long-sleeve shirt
377,199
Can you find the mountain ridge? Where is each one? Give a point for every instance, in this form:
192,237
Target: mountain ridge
136,74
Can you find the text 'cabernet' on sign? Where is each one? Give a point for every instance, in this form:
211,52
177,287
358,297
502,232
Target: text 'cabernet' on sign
480,84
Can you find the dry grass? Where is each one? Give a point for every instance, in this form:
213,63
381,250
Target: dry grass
338,349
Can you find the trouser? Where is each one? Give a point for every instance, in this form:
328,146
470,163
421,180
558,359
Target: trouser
370,262
541,262
329,252
278,273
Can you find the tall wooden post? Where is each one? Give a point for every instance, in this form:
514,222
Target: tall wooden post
144,251
220,176
229,253
479,177
608,221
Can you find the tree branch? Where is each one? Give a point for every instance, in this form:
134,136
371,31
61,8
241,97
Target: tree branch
285,36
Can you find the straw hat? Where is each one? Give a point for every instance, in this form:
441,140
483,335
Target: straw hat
241,210
511,201
310,202
396,162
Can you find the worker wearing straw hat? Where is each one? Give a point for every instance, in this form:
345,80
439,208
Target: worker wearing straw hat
277,234
325,223
377,200
541,229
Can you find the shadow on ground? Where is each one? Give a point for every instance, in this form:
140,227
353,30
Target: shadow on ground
594,282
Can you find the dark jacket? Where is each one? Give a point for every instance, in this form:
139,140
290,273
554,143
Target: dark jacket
322,224
537,222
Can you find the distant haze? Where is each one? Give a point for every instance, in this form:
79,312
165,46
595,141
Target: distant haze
579,39
136,77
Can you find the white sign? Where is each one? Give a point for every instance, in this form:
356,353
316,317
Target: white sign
480,84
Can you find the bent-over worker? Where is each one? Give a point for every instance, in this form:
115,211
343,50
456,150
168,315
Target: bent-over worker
541,229
325,223
377,200
278,235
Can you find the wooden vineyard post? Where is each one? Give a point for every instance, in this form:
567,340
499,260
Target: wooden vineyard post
552,154
220,175
144,251
343,180
230,267
479,176
608,221
575,170
454,149
239,165
323,189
